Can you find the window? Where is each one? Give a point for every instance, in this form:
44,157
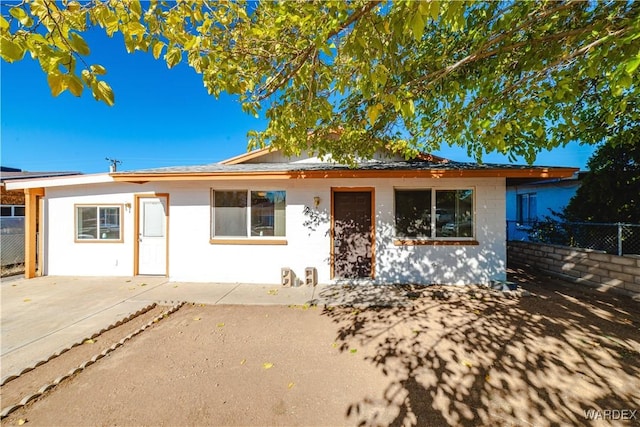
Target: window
11,211
242,213
413,213
454,213
98,223
434,214
526,209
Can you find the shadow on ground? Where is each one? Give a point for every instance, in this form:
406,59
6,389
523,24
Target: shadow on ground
474,358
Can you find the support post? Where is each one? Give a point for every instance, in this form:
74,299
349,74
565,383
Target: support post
619,239
30,230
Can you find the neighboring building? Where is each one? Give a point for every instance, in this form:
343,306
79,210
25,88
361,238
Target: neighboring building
13,201
427,220
12,213
528,202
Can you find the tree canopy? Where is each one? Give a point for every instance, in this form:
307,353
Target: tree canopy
610,191
348,78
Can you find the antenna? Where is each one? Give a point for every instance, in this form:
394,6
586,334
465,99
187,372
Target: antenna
113,167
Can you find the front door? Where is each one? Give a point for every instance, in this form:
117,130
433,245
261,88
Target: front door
352,234
152,235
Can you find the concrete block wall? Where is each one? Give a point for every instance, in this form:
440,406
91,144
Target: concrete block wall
583,266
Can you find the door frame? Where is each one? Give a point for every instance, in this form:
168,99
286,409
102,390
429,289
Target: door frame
372,192
136,229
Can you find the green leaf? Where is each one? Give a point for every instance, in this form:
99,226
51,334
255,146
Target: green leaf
78,44
434,8
57,83
98,69
417,26
408,109
632,65
10,51
625,81
623,105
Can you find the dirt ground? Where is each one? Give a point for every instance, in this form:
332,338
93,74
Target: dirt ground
451,357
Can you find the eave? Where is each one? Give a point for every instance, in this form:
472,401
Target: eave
530,173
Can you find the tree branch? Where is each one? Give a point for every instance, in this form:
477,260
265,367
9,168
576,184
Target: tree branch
269,89
438,75
64,40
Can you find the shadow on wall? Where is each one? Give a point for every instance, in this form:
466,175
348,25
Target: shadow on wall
416,264
469,358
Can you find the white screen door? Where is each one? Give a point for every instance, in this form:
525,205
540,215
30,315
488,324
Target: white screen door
152,235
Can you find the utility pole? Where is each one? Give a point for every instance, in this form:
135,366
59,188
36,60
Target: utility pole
113,167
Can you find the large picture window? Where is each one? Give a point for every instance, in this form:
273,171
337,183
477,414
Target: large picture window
98,223
434,214
243,213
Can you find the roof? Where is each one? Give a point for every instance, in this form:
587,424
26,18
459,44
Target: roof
574,180
235,168
429,167
11,174
248,156
58,181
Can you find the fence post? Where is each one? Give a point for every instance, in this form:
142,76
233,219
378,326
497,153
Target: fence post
619,239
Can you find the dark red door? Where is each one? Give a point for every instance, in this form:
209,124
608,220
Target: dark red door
352,234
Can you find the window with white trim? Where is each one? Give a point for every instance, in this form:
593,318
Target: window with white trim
98,222
248,213
434,214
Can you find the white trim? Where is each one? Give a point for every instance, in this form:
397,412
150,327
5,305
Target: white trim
59,181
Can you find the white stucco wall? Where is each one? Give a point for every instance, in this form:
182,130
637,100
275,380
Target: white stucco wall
62,256
193,258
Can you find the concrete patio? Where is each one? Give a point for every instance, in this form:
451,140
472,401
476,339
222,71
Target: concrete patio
43,315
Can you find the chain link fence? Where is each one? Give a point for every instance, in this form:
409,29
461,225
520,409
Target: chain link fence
12,245
612,238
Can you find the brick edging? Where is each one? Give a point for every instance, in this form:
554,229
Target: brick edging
8,410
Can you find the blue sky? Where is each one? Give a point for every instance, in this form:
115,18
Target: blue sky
161,118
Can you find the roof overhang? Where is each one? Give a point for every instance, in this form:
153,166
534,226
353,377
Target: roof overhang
59,181
523,173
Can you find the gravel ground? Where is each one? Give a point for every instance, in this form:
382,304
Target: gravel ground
454,356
